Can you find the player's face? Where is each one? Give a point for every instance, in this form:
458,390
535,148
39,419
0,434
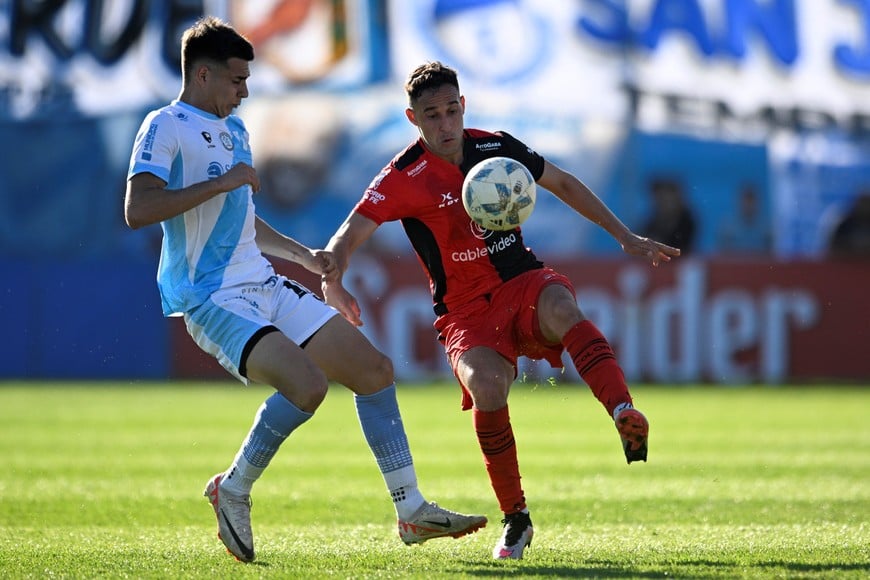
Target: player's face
227,86
438,114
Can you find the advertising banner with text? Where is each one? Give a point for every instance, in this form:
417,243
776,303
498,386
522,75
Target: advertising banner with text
98,58
798,63
716,321
662,63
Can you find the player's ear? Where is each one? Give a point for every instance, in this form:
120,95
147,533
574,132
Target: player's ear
409,113
462,103
201,73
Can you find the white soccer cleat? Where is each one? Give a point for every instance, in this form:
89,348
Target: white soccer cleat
433,521
234,519
518,532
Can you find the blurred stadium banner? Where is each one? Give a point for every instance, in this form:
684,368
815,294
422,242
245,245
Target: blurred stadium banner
744,65
723,321
95,58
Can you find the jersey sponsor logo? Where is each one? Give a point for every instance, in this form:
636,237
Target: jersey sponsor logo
447,199
502,243
375,196
488,145
417,168
207,136
480,232
468,255
215,169
149,142
226,141
495,247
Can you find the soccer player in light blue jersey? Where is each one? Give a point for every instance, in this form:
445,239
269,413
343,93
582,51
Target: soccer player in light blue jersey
192,171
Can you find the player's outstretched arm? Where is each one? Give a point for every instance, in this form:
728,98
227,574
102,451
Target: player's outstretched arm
273,243
583,200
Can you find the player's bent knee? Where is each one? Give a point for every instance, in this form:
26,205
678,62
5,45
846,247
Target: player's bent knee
313,397
307,397
488,389
383,370
376,375
489,399
305,384
557,315
563,307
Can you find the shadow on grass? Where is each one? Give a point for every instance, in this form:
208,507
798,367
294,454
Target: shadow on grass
828,567
527,569
688,569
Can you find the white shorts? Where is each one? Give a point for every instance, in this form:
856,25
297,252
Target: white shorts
229,324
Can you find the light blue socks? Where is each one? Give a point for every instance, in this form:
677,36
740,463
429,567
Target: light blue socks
275,420
382,426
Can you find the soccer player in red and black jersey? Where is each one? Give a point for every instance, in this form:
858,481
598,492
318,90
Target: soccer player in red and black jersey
494,299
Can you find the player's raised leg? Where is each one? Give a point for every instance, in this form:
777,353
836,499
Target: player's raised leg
595,361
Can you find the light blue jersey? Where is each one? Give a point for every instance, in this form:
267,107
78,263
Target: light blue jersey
211,246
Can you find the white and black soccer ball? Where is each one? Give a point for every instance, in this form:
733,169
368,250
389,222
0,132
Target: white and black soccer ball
499,193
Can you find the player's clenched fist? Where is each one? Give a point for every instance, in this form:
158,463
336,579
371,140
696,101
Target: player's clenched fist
241,174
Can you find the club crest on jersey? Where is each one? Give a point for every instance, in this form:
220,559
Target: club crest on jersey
226,141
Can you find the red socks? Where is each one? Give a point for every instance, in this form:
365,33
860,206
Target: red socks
594,359
496,438
596,363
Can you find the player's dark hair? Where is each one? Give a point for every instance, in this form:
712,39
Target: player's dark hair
213,39
430,75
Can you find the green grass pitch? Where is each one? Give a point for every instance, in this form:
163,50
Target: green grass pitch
104,480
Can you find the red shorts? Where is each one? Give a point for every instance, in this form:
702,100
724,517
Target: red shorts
504,321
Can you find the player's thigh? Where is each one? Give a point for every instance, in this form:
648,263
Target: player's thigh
347,357
487,375
277,361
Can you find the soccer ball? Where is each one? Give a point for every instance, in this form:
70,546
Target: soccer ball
499,193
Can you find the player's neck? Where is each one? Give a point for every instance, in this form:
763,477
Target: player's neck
191,98
451,158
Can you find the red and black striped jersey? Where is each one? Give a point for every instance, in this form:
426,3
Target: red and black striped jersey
423,191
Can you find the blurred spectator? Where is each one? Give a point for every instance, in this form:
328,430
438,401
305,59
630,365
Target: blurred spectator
671,221
747,232
851,236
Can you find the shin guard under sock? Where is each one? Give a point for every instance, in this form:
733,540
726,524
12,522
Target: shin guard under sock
496,438
594,359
